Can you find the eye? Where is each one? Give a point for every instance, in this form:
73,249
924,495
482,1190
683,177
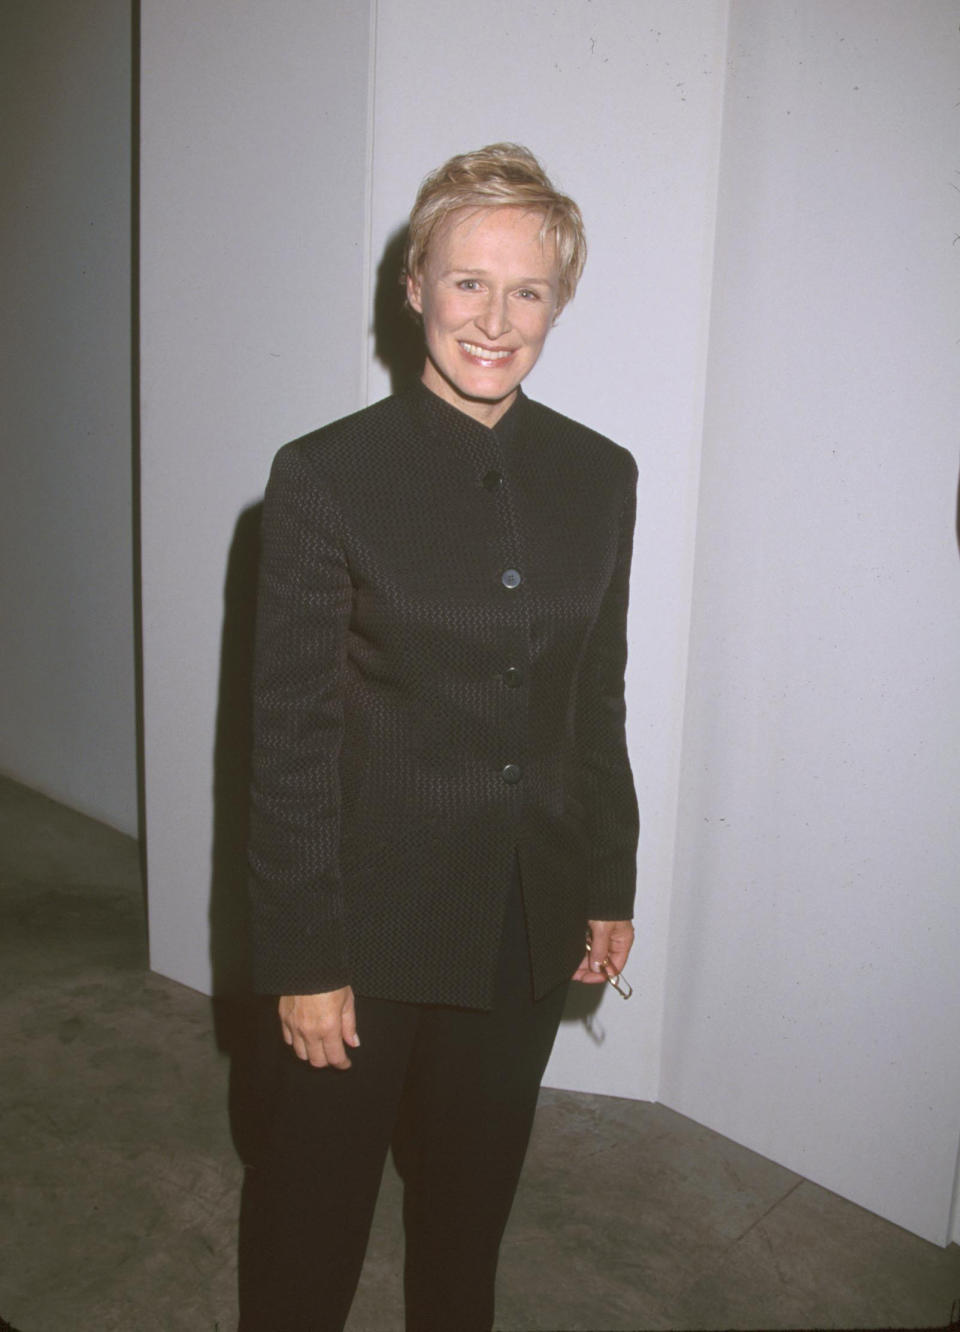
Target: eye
526,294
468,284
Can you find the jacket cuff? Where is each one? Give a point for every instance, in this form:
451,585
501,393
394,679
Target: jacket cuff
293,956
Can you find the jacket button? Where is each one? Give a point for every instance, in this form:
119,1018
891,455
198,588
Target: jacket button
511,774
493,480
510,578
513,677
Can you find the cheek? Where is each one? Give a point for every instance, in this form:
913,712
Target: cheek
538,324
443,312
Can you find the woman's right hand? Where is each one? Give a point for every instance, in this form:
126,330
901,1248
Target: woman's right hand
319,1026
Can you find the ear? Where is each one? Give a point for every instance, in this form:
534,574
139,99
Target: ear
414,285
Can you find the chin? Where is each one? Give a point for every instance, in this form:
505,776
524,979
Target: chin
490,385
486,393
478,387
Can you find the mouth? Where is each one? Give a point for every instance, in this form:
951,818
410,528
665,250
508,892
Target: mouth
487,356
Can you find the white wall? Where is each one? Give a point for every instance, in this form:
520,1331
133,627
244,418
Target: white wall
621,100
253,171
255,233
811,997
67,707
814,989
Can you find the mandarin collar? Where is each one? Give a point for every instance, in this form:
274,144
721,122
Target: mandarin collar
440,415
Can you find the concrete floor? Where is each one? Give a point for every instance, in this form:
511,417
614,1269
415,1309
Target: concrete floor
120,1173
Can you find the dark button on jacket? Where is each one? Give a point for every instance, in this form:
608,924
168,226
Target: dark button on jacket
384,824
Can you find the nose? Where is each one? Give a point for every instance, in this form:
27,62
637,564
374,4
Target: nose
493,320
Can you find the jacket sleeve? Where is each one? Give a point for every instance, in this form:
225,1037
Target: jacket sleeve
612,822
303,609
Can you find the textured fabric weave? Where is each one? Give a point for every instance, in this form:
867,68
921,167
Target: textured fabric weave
441,645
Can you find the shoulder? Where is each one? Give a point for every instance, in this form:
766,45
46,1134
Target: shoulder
342,443
553,429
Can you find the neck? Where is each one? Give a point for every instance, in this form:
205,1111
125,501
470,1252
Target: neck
488,412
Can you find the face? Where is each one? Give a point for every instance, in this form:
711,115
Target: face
488,297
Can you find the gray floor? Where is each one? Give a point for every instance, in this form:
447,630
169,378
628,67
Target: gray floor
120,1178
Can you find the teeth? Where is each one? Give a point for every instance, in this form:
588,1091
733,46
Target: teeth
483,353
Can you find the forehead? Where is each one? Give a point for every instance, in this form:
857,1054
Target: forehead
504,234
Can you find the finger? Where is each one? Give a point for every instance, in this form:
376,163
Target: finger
301,1049
619,952
299,1040
319,1042
348,1023
585,975
284,1024
333,1052
621,941
600,932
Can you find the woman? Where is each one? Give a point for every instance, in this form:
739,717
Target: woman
442,799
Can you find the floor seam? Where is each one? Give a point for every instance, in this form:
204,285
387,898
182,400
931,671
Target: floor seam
763,1216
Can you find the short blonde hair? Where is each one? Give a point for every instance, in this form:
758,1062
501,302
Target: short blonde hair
499,176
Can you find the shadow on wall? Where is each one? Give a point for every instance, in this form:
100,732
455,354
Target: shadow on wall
233,1008
229,924
397,335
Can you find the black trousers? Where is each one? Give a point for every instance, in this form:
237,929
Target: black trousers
455,1090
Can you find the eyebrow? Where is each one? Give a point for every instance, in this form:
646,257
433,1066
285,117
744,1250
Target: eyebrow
482,272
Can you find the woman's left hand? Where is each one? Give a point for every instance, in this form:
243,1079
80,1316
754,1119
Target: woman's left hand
610,941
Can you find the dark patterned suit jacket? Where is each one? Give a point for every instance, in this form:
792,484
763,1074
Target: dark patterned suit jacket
439,686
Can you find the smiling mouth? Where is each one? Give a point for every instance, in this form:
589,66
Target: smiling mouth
488,354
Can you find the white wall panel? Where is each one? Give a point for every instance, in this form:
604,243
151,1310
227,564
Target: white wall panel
621,101
254,172
814,991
